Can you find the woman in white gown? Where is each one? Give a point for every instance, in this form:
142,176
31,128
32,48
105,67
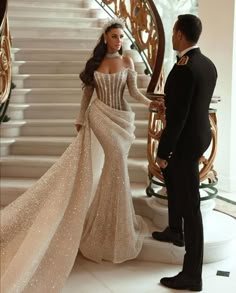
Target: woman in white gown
42,231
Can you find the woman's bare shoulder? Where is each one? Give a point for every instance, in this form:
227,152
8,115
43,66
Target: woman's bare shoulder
128,62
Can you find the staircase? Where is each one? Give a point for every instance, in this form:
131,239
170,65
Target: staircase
51,42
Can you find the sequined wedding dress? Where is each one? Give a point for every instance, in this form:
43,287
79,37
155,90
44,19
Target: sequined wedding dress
42,230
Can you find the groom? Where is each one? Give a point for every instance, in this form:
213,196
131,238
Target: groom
187,135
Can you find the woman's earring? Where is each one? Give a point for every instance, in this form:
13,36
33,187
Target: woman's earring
105,41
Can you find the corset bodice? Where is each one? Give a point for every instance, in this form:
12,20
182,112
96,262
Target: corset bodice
110,88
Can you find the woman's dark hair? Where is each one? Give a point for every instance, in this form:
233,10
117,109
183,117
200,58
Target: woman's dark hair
190,25
98,55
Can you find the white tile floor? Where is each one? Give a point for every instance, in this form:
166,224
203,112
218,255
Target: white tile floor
143,277
228,195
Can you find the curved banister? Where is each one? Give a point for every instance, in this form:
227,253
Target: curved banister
5,60
157,68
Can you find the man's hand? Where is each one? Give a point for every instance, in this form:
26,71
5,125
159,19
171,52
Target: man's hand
159,106
161,163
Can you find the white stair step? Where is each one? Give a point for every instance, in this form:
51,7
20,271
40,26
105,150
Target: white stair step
49,43
51,4
5,145
57,22
54,95
11,129
62,42
47,80
11,188
60,80
81,2
52,12
47,67
42,146
46,95
217,245
53,67
53,127
55,54
59,111
36,166
55,146
54,32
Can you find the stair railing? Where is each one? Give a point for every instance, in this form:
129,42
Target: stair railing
5,61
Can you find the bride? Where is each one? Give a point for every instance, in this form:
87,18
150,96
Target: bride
42,231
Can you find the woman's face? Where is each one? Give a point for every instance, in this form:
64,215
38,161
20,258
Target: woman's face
114,39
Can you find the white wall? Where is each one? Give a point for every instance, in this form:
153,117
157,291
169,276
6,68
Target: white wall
218,42
169,10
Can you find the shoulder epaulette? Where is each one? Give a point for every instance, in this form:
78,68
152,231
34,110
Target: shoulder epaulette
183,60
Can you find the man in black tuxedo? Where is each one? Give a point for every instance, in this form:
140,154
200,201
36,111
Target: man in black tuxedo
187,135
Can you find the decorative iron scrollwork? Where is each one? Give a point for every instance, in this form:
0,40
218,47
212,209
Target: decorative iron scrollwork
5,63
206,167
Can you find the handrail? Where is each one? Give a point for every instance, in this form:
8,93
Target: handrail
145,30
5,60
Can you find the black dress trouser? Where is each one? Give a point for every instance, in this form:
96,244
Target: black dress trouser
182,183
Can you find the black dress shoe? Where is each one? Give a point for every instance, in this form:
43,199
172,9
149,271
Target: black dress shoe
169,236
182,282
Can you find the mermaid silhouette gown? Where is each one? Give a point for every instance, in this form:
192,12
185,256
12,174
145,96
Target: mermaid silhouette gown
42,230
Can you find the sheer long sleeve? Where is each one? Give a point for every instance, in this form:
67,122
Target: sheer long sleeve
86,99
133,89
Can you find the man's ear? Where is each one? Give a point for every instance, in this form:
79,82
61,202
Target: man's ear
179,35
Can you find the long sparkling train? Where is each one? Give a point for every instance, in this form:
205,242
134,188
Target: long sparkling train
41,230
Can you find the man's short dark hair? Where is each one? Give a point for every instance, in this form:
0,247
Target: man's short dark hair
190,25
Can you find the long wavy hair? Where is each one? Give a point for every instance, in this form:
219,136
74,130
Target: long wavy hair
98,55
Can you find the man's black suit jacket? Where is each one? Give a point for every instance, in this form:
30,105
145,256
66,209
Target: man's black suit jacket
188,89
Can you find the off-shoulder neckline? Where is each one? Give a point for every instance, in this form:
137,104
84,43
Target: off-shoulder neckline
125,69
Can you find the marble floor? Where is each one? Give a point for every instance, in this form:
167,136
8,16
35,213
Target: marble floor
230,196
143,277
226,203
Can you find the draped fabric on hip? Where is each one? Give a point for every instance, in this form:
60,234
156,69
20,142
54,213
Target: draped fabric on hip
41,231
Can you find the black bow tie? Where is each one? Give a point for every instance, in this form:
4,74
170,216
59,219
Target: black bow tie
177,58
